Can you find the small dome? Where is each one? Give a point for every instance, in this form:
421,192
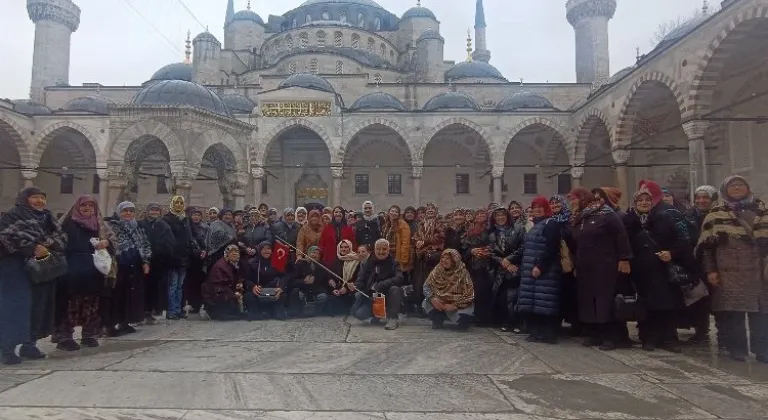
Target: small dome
620,74
430,34
451,100
681,31
418,12
377,100
238,104
524,100
473,69
180,92
94,104
307,81
205,37
174,71
28,107
248,15
370,3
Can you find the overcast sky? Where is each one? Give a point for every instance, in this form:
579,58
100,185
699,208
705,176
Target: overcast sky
115,45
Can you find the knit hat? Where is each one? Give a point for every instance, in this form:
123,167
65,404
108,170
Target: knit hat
652,189
709,190
154,206
613,196
125,205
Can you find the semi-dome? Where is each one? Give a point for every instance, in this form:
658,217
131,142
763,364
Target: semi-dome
370,3
430,34
94,104
451,100
247,15
681,31
475,70
28,107
418,12
307,81
377,100
620,74
524,100
174,71
238,104
180,92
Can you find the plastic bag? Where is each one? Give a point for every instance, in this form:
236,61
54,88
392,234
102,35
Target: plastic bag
101,259
379,306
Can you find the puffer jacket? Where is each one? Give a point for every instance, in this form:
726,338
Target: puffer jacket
541,295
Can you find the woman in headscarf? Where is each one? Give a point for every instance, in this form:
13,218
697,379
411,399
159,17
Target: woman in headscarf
516,213
27,230
333,233
133,256
561,214
429,241
309,234
656,242
78,294
477,254
506,239
301,216
456,231
257,231
398,233
602,252
449,293
409,215
221,233
368,230
163,245
220,292
733,246
213,214
185,247
347,268
196,268
260,275
697,314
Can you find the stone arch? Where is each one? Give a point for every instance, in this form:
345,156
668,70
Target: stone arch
15,134
48,134
211,138
557,128
714,59
590,121
430,135
628,111
149,128
375,121
286,125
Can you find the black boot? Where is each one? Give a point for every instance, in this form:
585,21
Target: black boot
68,345
437,318
464,322
9,357
30,351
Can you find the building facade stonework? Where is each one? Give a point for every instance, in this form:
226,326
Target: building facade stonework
339,102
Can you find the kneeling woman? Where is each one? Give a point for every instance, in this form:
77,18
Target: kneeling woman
448,292
220,290
262,276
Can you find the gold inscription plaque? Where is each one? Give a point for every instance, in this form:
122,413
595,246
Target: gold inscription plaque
312,192
296,109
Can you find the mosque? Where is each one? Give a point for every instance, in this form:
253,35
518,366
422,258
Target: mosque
341,101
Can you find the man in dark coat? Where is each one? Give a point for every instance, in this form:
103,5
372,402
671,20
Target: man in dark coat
163,245
287,230
380,274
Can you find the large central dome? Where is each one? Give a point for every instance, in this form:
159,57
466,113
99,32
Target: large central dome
370,3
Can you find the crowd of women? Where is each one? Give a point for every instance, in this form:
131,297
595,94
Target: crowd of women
522,268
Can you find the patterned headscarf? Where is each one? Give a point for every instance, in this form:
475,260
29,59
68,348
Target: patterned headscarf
565,213
178,200
709,190
736,204
452,286
89,222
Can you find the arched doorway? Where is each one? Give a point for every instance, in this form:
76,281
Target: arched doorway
532,162
212,185
598,159
10,166
457,168
149,172
730,91
377,167
67,169
298,169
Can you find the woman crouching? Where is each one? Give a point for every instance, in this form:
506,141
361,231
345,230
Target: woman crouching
221,294
449,293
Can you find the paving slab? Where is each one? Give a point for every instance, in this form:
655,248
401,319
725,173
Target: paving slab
571,357
366,333
36,413
10,380
109,352
725,401
675,368
195,390
440,357
280,415
611,396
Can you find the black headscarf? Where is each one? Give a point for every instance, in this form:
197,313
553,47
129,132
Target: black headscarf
22,227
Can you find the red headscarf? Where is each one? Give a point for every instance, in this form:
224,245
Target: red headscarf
652,189
584,196
544,204
478,225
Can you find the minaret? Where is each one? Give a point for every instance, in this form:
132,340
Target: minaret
481,50
188,49
589,19
230,12
55,20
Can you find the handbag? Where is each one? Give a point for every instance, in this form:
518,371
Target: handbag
694,292
676,274
566,260
629,308
268,295
48,268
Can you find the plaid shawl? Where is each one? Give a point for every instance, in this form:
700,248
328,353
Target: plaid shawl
22,228
722,223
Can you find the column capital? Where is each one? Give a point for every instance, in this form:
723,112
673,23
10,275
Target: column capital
64,12
337,172
695,129
258,173
620,156
418,171
29,174
237,184
577,172
497,172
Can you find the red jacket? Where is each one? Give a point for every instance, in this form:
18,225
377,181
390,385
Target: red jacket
329,242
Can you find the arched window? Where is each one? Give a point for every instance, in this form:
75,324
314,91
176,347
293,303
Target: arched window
377,23
289,41
361,20
355,41
371,45
326,15
304,39
313,66
321,39
383,50
343,16
339,67
292,67
338,39
308,18
294,23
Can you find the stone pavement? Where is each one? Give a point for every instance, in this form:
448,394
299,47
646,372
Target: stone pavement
333,369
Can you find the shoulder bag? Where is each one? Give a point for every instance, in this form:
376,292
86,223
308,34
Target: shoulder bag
629,308
676,274
48,268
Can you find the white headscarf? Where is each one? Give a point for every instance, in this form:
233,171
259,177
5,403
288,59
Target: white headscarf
373,211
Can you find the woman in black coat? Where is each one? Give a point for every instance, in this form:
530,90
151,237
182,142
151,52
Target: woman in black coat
261,275
657,241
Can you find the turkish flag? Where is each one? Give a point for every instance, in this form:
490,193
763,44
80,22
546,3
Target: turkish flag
280,255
